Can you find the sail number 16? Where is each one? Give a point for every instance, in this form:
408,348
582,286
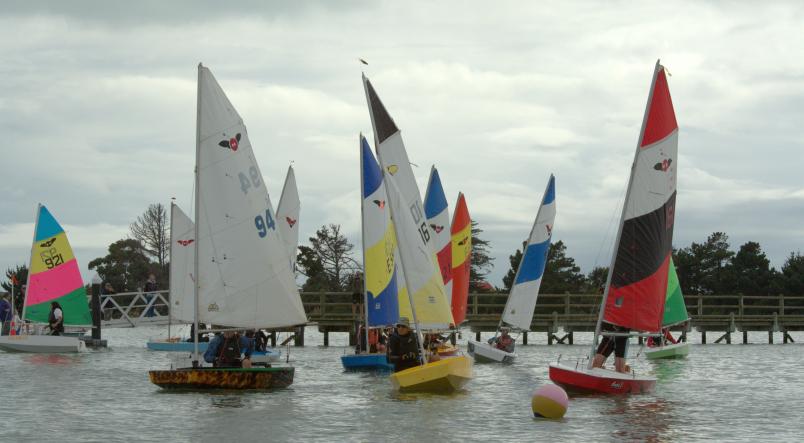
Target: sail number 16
264,224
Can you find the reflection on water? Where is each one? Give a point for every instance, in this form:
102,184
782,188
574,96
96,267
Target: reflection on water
640,419
667,371
51,359
229,400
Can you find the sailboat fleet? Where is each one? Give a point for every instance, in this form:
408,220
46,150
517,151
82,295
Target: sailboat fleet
234,265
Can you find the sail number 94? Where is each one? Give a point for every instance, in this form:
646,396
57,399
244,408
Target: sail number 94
264,224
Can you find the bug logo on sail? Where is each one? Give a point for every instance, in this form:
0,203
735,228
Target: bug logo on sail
185,242
380,203
48,243
663,165
290,221
436,228
232,143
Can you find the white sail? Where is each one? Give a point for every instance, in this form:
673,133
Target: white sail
287,214
521,302
244,277
419,262
182,253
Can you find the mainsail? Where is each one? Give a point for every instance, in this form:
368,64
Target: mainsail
54,275
243,275
287,214
522,299
379,244
437,213
461,235
429,298
182,254
675,310
635,295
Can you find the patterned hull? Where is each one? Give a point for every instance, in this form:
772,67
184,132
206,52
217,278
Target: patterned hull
223,378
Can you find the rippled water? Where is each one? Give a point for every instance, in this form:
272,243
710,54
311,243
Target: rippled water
722,392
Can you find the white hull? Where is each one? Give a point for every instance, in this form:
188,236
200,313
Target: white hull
42,344
484,352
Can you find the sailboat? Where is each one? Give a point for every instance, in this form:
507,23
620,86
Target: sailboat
636,286
518,311
423,280
379,248
287,214
54,276
675,312
182,308
240,261
461,239
436,211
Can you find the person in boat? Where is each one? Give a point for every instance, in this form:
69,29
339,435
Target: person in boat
225,350
56,319
504,341
357,293
609,344
403,347
666,339
5,314
106,292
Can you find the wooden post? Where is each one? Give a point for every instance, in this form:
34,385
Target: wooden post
298,339
273,339
640,341
700,305
477,336
770,337
549,338
740,304
745,337
525,338
474,308
322,303
703,337
326,338
570,337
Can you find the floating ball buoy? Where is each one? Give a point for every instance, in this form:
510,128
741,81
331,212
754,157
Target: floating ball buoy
549,401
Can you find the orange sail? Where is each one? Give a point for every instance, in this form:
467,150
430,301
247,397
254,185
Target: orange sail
461,231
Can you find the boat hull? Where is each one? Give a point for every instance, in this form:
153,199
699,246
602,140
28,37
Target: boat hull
597,380
485,353
223,378
42,344
447,351
366,362
443,376
677,350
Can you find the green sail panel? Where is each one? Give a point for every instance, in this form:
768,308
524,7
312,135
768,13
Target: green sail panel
74,305
675,311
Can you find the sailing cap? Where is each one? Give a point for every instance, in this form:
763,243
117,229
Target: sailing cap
403,321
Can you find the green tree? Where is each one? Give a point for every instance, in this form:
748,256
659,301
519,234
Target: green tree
561,274
481,261
21,273
791,277
152,230
702,268
596,279
126,266
328,263
515,260
749,272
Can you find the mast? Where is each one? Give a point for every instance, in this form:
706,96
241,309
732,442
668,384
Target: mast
30,261
196,280
363,241
622,217
170,274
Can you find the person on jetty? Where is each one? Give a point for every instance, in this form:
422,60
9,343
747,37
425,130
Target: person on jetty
5,314
619,345
503,342
403,347
56,319
224,351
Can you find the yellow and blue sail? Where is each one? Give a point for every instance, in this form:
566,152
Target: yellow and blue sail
54,275
379,244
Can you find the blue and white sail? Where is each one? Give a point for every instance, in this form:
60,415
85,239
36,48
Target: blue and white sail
379,243
522,299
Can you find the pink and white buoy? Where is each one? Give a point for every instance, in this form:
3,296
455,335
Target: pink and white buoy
549,401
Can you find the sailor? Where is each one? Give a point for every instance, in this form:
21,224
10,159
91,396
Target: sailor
224,351
5,314
403,348
618,344
56,319
503,342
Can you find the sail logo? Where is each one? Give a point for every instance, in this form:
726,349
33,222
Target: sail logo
380,203
436,228
463,241
213,307
669,215
392,169
233,143
48,243
663,165
185,242
549,230
290,221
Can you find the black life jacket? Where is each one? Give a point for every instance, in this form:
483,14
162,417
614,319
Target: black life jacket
229,351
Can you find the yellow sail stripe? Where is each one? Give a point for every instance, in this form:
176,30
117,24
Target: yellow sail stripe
461,252
50,252
380,262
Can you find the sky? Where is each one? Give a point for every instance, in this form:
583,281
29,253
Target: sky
97,109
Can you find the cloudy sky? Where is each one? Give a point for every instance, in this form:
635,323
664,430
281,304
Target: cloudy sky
97,109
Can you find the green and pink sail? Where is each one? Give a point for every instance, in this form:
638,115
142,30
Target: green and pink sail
54,275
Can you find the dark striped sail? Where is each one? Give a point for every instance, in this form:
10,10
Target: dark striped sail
636,294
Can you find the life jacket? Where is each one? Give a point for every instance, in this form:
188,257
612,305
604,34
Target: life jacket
229,352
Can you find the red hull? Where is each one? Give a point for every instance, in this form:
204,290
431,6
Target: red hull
582,380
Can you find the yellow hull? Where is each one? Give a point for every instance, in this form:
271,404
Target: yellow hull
443,376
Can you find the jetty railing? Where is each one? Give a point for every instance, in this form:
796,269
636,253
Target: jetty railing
131,309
